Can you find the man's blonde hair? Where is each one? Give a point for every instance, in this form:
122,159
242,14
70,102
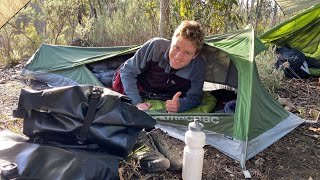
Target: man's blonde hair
192,31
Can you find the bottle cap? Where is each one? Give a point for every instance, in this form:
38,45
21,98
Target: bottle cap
196,126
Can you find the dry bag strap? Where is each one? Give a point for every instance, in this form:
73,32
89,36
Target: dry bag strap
93,101
40,140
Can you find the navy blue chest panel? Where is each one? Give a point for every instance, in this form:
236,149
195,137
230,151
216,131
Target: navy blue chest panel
154,79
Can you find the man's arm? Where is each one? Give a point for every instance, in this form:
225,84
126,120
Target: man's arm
133,67
194,94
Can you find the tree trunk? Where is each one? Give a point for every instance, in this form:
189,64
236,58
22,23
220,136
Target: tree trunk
274,14
164,18
227,16
259,6
251,11
247,11
100,8
240,6
60,26
80,12
93,12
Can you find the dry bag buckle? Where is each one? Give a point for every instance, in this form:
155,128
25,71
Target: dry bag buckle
8,168
96,92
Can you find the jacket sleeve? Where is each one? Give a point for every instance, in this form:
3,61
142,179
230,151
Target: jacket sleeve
133,67
194,95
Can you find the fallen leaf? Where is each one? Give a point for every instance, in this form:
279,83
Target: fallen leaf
120,172
314,129
228,170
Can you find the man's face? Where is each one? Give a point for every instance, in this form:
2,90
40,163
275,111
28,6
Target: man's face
181,53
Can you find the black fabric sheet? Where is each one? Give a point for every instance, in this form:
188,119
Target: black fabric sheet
49,162
53,122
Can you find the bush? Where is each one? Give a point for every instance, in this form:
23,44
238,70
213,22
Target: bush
271,78
127,26
17,46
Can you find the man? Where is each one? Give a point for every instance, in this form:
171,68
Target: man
166,70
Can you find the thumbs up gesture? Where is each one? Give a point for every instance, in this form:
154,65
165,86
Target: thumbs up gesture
172,106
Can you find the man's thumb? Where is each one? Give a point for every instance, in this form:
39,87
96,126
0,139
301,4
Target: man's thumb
176,96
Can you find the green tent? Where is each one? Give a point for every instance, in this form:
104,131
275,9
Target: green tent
258,122
290,6
301,32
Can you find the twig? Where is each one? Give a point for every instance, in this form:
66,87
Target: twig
312,135
21,32
299,162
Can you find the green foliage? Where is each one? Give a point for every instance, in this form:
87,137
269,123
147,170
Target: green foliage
128,25
271,78
83,30
216,16
151,10
33,41
10,52
112,23
59,17
16,43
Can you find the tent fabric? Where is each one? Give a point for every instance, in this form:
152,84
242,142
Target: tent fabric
52,63
229,59
301,32
253,100
9,8
232,147
290,6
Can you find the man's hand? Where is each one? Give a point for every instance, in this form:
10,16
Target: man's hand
143,106
172,106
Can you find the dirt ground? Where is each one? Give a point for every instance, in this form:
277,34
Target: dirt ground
296,156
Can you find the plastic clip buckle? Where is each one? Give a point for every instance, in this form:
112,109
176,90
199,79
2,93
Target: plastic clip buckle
8,169
80,140
96,92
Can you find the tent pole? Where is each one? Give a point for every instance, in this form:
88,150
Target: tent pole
245,172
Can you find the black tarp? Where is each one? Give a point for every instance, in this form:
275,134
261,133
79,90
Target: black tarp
53,120
48,162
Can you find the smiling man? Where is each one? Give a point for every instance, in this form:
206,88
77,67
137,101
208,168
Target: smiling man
166,70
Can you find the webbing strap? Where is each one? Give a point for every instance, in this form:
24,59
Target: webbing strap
93,101
44,141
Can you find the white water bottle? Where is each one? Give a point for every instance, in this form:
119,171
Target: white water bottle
193,152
